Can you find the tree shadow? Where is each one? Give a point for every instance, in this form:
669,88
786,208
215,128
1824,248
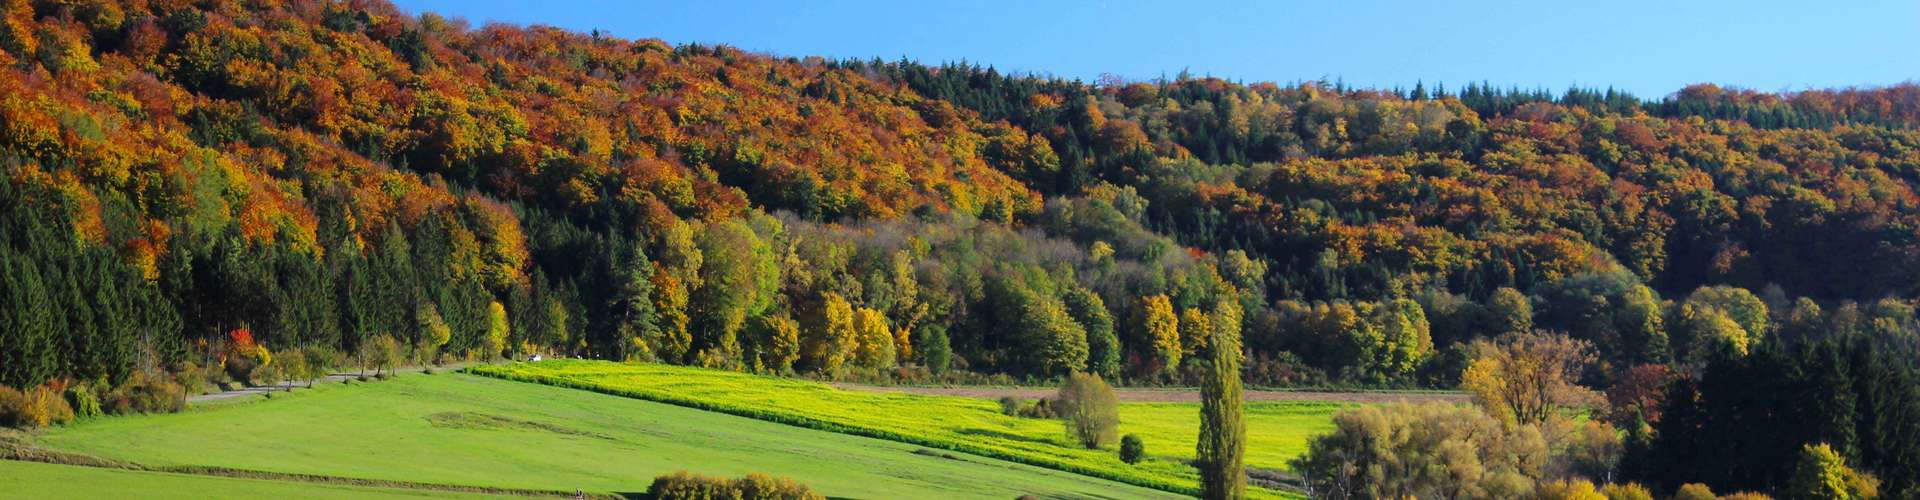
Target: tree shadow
975,431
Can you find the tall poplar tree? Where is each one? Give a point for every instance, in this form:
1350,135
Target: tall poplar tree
1221,452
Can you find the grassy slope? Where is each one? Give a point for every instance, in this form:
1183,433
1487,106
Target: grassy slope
468,430
49,481
1277,431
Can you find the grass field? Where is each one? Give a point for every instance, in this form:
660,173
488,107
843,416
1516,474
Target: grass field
476,431
1276,431
49,481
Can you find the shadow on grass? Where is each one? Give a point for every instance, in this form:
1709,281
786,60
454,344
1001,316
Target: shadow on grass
1004,435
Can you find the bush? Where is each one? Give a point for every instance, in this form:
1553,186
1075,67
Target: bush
83,401
1360,457
1694,491
14,411
1041,408
684,485
1578,489
37,407
270,375
191,377
321,362
757,485
1132,449
53,403
294,367
147,393
1090,409
382,353
1628,491
1010,406
244,358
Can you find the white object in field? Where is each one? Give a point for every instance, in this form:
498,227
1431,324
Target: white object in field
535,357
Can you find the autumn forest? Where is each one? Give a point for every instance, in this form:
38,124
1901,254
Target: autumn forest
178,178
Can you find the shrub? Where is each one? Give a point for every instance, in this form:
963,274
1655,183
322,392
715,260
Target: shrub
53,403
1090,410
1041,408
1360,457
1694,491
83,401
244,357
13,408
684,485
267,375
191,377
1628,491
1132,449
381,353
1010,406
36,407
294,366
147,393
321,362
1579,489
757,485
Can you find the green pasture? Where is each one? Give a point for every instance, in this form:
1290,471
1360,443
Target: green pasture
467,430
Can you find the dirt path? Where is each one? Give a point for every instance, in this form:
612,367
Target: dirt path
1175,395
250,391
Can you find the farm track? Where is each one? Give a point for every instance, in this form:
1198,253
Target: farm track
285,385
1172,395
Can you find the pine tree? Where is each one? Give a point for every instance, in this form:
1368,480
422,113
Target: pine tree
633,306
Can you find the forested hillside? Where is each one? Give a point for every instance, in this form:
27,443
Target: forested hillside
182,177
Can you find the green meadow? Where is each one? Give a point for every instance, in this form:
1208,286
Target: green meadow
51,481
472,431
1276,431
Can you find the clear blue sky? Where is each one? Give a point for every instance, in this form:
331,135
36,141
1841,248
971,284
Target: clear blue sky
1651,48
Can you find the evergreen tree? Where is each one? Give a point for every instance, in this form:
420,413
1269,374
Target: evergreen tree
633,306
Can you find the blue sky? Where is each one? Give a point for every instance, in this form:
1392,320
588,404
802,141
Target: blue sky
1651,48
